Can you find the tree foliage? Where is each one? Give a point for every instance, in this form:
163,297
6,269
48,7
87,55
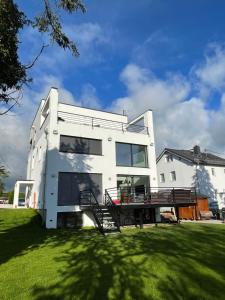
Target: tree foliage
14,74
3,174
10,196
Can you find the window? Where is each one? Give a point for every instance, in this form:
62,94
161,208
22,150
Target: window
131,155
123,154
71,184
32,161
162,177
173,176
169,158
213,172
45,112
139,156
39,154
72,144
137,185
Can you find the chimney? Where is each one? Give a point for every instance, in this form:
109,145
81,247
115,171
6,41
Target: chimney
197,150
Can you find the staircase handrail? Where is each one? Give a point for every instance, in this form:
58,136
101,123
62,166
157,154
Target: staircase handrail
96,208
113,208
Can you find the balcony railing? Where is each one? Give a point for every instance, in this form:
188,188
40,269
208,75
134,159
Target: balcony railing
100,123
153,196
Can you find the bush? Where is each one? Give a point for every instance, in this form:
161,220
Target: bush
10,196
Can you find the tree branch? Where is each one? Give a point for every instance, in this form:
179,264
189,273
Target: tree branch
37,57
10,98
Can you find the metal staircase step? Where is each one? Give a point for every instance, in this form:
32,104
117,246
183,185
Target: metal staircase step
106,215
103,213
107,218
108,222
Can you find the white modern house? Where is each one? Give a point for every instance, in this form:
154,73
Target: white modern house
193,168
76,150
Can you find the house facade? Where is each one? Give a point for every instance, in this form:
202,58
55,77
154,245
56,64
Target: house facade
73,149
193,168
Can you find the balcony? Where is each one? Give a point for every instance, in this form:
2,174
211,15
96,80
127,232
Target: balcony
100,123
152,196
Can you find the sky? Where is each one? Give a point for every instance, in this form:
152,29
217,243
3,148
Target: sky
164,55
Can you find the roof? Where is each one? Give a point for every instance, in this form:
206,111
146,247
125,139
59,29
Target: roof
203,158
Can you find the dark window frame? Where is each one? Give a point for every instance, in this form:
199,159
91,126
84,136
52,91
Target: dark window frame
79,152
131,152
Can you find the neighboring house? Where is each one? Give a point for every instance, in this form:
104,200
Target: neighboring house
193,168
73,149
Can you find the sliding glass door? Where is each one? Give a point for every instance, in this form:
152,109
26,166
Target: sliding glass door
132,187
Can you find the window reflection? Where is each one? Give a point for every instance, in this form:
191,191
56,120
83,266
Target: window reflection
131,155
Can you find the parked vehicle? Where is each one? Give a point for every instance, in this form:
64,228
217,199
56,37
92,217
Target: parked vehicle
21,202
4,200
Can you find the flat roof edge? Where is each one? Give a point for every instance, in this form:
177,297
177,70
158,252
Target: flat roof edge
95,109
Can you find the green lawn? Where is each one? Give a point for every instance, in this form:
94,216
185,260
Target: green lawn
164,262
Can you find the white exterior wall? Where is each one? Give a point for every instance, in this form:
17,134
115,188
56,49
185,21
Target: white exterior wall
37,160
186,176
67,162
184,172
216,182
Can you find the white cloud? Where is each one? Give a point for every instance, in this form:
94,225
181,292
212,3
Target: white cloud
182,125
148,91
217,126
87,34
89,38
89,97
180,121
211,73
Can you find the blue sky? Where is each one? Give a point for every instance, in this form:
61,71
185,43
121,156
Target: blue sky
164,36
165,55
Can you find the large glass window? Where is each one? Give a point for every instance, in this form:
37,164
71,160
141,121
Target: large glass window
123,154
73,144
131,155
71,184
139,156
132,188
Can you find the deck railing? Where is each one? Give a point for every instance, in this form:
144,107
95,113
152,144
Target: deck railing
153,196
101,123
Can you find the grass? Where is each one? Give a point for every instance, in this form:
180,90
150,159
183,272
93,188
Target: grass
165,262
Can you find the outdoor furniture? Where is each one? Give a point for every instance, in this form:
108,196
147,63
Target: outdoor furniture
168,217
206,215
116,201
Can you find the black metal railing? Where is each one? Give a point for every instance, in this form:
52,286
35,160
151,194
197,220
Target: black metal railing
154,196
87,198
101,123
113,209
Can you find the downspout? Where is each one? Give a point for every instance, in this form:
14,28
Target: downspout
45,172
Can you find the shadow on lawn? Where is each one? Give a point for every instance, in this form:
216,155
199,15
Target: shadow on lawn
19,238
183,262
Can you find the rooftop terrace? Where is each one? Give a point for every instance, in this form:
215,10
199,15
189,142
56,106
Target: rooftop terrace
95,122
